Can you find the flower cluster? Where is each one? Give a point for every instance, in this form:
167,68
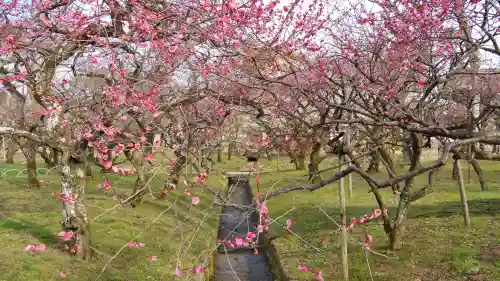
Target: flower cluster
38,248
364,219
123,171
317,274
250,240
368,242
65,236
136,245
264,220
196,270
68,198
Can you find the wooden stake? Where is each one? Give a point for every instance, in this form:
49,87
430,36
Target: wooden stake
4,149
463,195
468,163
343,221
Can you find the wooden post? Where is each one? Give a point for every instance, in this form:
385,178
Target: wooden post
348,144
343,222
345,159
463,195
468,163
278,160
4,149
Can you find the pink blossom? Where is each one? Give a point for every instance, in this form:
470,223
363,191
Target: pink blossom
238,241
36,248
377,213
318,276
172,49
171,163
153,258
195,201
303,268
148,157
289,223
63,275
105,164
369,238
260,228
199,269
178,272
251,235
65,236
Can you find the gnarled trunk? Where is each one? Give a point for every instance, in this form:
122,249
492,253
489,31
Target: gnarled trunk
219,155
74,211
300,161
397,232
374,164
313,166
230,151
173,179
29,151
49,155
10,151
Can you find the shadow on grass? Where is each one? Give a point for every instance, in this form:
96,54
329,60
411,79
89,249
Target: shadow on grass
33,229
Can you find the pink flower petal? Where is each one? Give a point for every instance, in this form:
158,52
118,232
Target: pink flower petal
195,201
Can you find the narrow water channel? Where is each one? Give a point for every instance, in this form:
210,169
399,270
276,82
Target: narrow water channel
239,264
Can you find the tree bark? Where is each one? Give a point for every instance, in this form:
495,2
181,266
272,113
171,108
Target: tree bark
300,162
49,156
173,178
29,151
374,165
230,151
269,155
399,226
11,151
74,212
314,161
143,169
219,155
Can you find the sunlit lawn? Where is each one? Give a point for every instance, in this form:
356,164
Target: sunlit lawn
437,246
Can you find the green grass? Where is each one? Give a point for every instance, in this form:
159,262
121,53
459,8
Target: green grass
437,245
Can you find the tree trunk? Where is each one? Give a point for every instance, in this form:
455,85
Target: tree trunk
29,151
219,155
230,151
314,161
88,167
11,151
74,212
399,226
463,194
139,187
173,179
475,166
454,172
300,162
143,169
374,165
386,159
269,155
49,157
